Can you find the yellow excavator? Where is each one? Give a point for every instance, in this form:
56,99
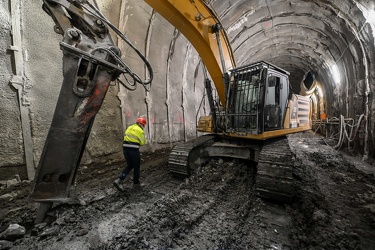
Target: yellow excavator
254,111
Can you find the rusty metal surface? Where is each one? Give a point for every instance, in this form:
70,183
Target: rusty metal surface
68,134
90,61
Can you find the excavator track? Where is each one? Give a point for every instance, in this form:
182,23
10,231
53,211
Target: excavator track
274,179
185,157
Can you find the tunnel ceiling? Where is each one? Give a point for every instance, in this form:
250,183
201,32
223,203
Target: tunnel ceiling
300,36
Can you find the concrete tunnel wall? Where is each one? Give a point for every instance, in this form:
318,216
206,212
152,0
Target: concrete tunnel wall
299,36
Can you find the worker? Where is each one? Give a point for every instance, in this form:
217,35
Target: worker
134,138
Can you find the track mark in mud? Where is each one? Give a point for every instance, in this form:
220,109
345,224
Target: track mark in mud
214,209
327,213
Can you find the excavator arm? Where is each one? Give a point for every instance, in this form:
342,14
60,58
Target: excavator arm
89,65
91,61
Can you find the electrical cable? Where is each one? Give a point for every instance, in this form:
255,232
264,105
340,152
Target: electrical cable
343,133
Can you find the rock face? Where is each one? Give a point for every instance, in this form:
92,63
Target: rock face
13,232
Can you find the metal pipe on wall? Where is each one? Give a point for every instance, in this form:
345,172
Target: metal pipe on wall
148,99
121,94
18,82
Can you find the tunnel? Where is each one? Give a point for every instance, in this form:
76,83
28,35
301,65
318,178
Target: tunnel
326,46
328,43
325,50
329,40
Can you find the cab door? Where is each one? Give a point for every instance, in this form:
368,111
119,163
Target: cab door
276,95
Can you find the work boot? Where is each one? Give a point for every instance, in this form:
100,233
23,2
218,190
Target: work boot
118,183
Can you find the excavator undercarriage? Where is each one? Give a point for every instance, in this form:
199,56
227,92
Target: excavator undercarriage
274,159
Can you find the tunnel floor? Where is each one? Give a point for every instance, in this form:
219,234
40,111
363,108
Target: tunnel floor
215,208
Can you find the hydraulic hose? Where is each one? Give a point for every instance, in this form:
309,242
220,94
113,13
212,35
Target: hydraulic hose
135,77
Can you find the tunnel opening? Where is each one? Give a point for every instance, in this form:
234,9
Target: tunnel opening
309,79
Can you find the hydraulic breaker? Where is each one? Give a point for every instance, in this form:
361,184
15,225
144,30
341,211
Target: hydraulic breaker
90,63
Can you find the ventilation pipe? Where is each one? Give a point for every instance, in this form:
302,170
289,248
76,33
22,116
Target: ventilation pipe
308,84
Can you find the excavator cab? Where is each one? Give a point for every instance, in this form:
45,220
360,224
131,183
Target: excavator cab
257,99
243,110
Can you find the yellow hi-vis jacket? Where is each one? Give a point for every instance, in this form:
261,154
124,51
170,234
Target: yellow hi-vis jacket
134,136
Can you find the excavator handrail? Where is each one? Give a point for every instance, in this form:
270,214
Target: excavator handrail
198,23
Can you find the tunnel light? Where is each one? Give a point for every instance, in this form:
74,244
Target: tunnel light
371,17
335,73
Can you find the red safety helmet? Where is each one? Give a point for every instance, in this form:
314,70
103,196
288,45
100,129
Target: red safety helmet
141,120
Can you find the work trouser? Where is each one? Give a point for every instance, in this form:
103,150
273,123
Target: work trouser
133,161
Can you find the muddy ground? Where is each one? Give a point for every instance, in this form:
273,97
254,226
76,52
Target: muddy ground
215,208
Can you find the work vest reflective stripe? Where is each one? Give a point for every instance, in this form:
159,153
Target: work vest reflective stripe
135,135
130,145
